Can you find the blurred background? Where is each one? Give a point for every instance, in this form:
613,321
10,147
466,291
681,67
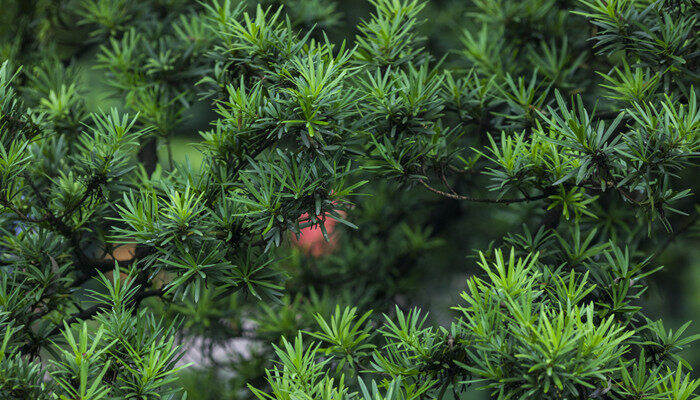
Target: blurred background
420,246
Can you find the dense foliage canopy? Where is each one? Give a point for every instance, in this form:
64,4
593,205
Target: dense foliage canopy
417,126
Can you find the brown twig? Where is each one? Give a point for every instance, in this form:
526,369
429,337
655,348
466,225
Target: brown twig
479,199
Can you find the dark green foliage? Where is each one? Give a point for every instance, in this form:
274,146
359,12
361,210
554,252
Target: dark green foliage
413,127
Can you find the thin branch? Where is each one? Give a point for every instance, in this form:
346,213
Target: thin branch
469,171
479,199
83,315
444,180
49,216
674,235
456,196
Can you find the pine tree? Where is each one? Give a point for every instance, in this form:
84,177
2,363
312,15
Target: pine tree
419,128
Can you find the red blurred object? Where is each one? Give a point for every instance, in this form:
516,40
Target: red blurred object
311,239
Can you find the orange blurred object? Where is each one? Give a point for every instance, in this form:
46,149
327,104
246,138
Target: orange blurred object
124,252
311,239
